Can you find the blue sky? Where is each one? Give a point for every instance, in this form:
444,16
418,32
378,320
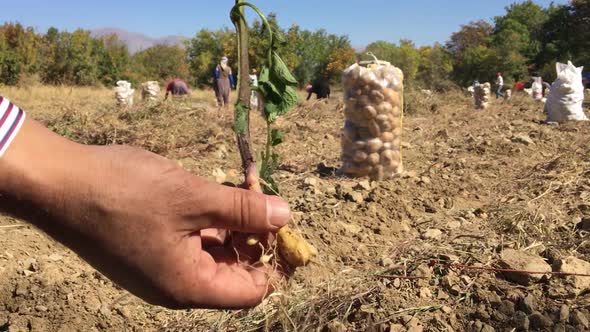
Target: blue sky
424,21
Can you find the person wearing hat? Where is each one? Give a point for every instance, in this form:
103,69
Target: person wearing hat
321,88
499,85
224,81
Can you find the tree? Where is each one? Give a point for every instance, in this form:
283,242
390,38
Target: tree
113,60
338,61
436,65
524,21
161,62
471,35
405,56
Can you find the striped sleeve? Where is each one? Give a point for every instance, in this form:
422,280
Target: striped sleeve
11,119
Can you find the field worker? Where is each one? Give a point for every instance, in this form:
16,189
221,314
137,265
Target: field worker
321,88
254,95
225,82
499,85
177,87
138,218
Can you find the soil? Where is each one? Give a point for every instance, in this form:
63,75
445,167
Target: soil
476,184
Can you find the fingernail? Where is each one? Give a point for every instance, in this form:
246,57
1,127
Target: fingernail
278,211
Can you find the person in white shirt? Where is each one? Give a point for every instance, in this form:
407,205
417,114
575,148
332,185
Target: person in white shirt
254,96
499,85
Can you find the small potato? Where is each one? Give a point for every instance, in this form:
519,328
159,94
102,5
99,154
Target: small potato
360,145
385,126
396,112
367,77
386,146
396,144
369,112
373,159
293,248
382,118
377,97
359,156
397,131
374,128
392,96
374,145
386,157
387,136
384,108
364,101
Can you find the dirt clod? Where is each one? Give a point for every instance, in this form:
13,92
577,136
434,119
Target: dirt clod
518,260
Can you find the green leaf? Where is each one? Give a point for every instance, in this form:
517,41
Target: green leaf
241,118
280,70
277,137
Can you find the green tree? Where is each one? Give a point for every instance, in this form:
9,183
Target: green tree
206,49
113,60
436,65
405,56
160,62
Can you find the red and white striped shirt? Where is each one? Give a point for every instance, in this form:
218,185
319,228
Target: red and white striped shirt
11,119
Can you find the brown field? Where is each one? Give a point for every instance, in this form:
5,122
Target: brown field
478,185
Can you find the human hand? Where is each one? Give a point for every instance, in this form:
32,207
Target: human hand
142,220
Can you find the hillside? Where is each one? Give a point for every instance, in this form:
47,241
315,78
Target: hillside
136,41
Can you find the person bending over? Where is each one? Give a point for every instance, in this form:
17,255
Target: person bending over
177,87
321,88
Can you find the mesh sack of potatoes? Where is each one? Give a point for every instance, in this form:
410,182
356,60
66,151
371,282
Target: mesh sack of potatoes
124,94
482,96
150,90
371,140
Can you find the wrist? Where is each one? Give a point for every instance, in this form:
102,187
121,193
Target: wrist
35,171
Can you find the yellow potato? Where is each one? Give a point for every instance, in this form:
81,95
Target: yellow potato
386,156
369,112
374,145
384,108
377,96
360,156
360,145
373,159
387,136
392,96
374,128
293,248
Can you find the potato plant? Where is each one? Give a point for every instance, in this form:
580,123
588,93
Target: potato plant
276,87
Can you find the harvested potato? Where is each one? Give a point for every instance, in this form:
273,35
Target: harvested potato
293,248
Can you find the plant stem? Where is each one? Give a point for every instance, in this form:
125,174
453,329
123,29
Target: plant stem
244,143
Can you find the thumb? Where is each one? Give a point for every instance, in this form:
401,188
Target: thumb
243,210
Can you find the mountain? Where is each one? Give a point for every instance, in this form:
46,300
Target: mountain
137,41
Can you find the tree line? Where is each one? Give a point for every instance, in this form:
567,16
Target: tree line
527,38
